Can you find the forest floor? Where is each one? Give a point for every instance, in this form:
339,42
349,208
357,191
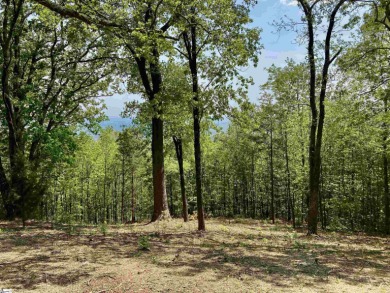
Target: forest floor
171,256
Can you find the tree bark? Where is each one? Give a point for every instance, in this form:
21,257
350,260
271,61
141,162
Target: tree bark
160,210
179,154
198,167
386,173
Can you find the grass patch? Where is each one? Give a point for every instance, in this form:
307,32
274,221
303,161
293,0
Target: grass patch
299,245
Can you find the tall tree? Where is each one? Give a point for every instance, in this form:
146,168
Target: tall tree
316,12
207,36
371,49
175,94
51,78
141,28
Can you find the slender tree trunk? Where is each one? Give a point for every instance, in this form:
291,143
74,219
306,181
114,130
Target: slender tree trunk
171,210
132,197
289,195
104,191
123,191
88,212
179,155
386,174
224,190
82,194
272,216
115,191
192,50
252,192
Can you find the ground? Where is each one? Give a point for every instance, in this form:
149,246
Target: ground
171,256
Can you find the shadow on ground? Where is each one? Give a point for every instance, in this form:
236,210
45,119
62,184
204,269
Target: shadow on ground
42,255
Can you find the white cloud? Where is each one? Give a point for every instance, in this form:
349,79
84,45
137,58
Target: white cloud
289,2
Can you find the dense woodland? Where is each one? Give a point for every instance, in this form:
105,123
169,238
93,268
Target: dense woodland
312,149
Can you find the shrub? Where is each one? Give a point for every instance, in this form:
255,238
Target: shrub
103,229
144,243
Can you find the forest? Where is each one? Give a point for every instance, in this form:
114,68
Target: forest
218,181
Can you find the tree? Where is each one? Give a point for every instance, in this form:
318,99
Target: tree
207,36
142,32
288,87
316,12
51,79
177,92
371,49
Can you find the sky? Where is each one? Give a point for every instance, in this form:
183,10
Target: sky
278,46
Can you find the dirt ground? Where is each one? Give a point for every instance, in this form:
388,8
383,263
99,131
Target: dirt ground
171,256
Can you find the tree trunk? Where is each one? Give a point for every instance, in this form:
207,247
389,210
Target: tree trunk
115,191
5,195
252,192
192,50
123,191
179,155
313,181
171,209
152,87
289,195
386,175
104,191
132,198
272,216
88,211
160,210
224,191
198,167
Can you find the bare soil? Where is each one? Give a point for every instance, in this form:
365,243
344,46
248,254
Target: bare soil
171,256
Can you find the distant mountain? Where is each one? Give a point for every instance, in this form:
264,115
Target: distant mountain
117,123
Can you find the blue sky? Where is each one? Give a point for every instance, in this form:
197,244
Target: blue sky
277,48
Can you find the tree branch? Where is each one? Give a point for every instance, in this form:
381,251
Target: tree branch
71,13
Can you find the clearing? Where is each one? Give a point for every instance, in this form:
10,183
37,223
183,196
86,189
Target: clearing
171,256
